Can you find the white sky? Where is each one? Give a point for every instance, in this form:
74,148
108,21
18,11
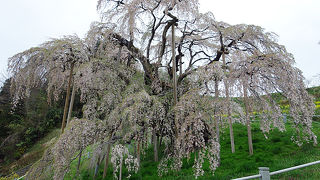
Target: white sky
28,23
296,22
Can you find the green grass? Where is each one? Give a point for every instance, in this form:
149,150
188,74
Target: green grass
277,152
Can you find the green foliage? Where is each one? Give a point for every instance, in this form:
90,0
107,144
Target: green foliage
315,92
39,119
6,116
24,125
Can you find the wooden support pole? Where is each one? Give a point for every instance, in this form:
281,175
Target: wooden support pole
174,75
228,105
67,100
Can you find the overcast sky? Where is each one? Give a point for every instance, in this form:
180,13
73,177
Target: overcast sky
28,23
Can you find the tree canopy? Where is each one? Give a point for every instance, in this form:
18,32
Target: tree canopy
123,69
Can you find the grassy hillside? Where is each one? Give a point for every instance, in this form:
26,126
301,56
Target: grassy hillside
34,153
276,152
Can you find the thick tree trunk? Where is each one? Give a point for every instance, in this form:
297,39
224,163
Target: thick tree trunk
150,70
248,123
228,105
106,163
155,145
71,102
216,113
67,100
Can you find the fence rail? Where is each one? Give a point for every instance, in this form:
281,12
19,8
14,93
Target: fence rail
264,173
21,177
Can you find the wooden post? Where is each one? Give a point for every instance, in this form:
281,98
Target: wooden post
248,123
265,173
228,104
216,112
180,62
96,169
155,145
138,152
67,100
71,102
174,75
174,67
120,171
119,54
79,161
106,163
